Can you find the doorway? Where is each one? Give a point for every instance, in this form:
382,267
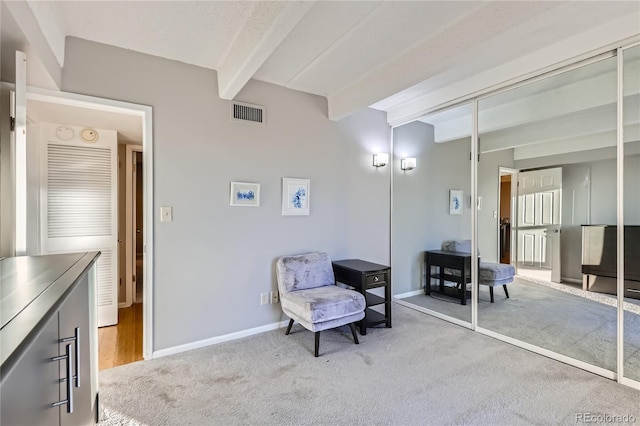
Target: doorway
506,201
114,112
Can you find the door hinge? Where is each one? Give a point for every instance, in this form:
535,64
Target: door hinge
12,124
134,278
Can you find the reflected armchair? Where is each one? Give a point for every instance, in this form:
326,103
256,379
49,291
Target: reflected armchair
309,295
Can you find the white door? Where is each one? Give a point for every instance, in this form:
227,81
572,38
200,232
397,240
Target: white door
18,154
539,221
78,208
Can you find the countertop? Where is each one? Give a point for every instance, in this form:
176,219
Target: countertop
31,287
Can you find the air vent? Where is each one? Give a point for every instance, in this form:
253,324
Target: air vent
247,113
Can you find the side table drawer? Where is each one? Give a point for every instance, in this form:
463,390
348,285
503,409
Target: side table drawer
374,280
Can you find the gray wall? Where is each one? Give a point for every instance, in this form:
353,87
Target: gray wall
575,212
213,260
421,218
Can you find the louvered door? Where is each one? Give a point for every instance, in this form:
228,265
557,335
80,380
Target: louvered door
79,202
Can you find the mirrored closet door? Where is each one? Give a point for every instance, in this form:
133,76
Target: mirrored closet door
631,166
431,225
547,184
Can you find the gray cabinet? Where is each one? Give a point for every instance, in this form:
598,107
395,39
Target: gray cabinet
32,385
48,378
73,318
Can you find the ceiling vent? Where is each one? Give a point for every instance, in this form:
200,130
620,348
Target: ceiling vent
248,113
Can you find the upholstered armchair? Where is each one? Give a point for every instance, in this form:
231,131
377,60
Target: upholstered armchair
309,295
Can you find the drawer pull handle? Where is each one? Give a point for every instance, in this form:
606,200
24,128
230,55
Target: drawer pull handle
376,279
76,339
68,357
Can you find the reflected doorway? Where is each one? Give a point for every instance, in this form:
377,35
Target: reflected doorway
506,205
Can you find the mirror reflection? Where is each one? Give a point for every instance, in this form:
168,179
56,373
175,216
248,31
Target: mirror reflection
547,213
431,225
550,148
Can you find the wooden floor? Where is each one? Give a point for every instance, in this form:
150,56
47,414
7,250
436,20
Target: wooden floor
121,344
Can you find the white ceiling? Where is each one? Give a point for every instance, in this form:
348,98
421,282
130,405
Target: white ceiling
355,53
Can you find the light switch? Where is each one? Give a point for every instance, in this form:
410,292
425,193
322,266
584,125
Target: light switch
165,214
495,214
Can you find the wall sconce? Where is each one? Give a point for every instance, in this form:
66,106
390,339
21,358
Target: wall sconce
408,163
380,160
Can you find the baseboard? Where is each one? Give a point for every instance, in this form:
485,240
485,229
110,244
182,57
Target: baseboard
570,280
409,294
219,339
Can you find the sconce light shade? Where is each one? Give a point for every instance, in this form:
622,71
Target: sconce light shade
408,163
380,160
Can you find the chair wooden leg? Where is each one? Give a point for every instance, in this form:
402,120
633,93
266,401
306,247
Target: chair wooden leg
286,333
352,326
491,293
317,343
505,291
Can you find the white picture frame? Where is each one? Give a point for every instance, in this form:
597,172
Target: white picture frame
455,201
295,196
244,194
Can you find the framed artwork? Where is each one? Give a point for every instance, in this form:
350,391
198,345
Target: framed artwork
455,201
244,194
295,197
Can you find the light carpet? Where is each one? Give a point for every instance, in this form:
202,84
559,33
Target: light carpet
421,371
564,321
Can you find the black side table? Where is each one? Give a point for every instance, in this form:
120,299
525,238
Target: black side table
444,260
363,276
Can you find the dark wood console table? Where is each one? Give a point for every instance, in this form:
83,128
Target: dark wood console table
453,260
364,276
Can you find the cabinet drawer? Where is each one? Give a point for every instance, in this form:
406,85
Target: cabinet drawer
376,279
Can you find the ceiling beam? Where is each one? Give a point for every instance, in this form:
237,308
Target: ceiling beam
267,26
43,69
434,55
581,46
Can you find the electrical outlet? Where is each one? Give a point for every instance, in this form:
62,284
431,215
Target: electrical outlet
274,297
264,298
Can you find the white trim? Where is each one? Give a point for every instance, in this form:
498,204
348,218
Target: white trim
19,156
408,294
620,215
218,339
145,112
474,214
549,354
148,228
438,315
630,382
